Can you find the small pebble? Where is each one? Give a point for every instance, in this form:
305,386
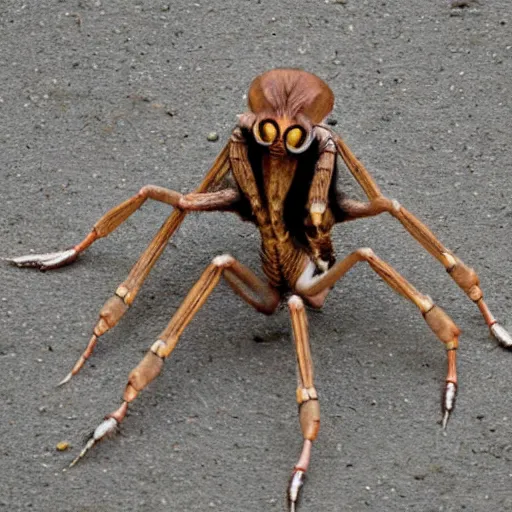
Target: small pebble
213,136
331,121
62,446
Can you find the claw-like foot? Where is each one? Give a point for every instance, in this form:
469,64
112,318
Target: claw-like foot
450,392
298,476
106,428
66,379
502,335
46,261
296,483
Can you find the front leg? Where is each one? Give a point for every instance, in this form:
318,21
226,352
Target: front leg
207,201
465,277
117,215
102,228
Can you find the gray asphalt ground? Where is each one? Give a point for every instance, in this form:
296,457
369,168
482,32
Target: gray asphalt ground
99,98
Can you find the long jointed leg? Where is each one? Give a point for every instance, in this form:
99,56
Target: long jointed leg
246,284
464,276
440,323
108,223
117,305
309,408
117,215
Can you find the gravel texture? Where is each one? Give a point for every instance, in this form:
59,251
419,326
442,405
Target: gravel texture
98,98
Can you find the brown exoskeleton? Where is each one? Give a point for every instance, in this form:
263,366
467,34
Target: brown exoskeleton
277,171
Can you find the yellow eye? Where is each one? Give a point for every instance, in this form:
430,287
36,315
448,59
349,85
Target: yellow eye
295,137
268,132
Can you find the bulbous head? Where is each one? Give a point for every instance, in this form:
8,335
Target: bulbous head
286,104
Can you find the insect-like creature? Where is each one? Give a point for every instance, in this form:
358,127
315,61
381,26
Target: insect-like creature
278,171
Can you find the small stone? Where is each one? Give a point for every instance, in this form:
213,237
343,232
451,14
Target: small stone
213,137
63,446
331,121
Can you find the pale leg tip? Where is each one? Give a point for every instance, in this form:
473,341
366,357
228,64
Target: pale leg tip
444,422
501,335
90,443
45,261
66,379
450,393
294,488
105,428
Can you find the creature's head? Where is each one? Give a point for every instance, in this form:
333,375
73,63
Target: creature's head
286,104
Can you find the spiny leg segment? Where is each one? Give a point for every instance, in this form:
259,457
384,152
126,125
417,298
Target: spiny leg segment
465,277
307,398
242,280
440,323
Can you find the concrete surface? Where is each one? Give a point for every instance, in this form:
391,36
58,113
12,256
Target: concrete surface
100,97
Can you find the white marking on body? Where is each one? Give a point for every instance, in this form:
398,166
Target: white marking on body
324,265
308,278
318,207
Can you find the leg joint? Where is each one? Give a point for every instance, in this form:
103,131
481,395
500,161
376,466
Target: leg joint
159,348
306,394
295,303
465,277
443,326
366,253
144,191
223,261
309,418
